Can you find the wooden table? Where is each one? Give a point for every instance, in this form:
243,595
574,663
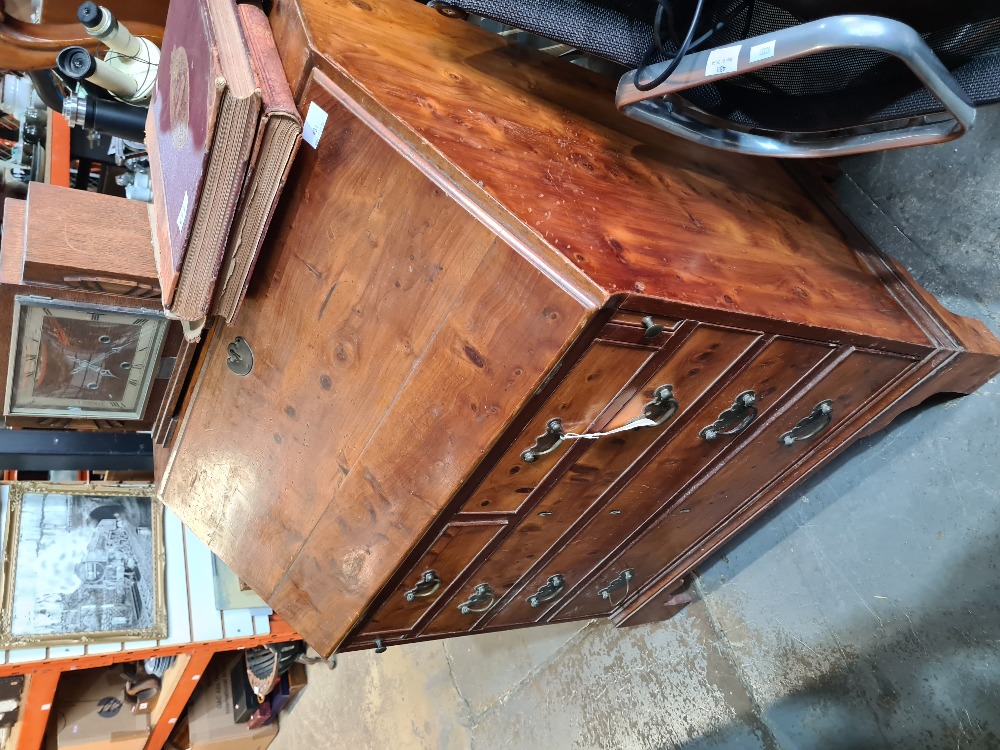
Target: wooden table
477,245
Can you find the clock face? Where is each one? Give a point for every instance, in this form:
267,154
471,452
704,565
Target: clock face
81,361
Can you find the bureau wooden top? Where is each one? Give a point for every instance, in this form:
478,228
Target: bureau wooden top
535,144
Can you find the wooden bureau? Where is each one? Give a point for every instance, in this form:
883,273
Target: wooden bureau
481,255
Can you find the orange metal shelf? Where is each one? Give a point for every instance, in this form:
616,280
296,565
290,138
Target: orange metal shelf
57,155
44,678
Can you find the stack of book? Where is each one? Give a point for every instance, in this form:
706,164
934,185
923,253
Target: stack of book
222,133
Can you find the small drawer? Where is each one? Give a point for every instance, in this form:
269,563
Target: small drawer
631,318
787,440
372,643
452,552
640,329
600,374
480,599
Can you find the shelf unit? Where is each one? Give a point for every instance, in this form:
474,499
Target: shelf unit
196,632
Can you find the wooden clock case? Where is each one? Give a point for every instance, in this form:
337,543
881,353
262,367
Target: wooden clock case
79,247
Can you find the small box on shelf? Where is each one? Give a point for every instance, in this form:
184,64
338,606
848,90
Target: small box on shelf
211,717
90,714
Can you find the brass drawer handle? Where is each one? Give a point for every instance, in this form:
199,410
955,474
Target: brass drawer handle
547,442
482,600
811,426
623,579
429,583
551,590
733,420
654,414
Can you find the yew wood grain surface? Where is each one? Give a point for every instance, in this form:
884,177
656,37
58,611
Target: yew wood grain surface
12,242
591,384
381,281
850,383
360,288
772,373
474,377
537,144
294,41
589,468
452,552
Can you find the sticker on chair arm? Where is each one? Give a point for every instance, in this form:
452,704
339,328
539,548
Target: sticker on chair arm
763,51
723,60
312,128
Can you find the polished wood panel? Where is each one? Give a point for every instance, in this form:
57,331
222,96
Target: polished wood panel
353,329
452,552
12,243
595,380
294,41
586,474
772,374
849,384
546,146
473,379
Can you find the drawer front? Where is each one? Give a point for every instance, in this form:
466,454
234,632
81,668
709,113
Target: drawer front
794,433
600,374
772,374
692,369
451,553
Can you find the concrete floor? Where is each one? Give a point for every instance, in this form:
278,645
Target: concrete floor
860,613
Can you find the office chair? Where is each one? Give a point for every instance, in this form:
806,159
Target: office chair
785,78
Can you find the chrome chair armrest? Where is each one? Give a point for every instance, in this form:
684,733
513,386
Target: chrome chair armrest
662,108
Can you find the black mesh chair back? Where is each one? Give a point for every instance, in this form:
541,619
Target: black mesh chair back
803,104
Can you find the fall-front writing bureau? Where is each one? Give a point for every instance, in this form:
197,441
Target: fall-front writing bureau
478,260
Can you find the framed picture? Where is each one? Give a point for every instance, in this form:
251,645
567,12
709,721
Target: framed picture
232,593
82,564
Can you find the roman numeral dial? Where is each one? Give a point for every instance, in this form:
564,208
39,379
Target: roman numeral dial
81,361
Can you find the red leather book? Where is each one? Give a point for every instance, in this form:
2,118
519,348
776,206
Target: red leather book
200,133
278,138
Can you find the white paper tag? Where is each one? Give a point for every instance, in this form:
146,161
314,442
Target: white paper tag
183,213
634,424
723,60
312,128
762,51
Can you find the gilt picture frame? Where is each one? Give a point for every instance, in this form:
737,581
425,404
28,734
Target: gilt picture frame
82,563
